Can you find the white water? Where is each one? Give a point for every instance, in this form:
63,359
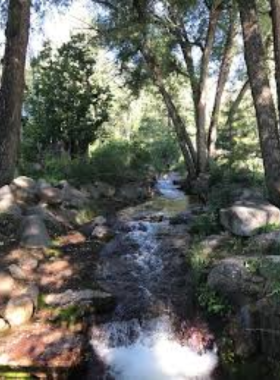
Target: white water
155,355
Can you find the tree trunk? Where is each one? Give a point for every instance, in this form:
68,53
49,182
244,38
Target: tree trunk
12,86
202,152
275,10
262,97
222,80
234,107
184,139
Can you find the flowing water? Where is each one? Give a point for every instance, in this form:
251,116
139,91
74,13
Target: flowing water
148,336
154,333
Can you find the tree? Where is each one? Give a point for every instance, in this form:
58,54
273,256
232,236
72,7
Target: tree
275,12
149,39
66,103
262,97
12,86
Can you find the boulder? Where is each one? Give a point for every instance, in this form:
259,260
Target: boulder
18,273
245,218
102,233
19,310
8,203
99,298
232,279
266,241
7,284
4,325
72,197
28,264
50,195
34,233
24,190
213,242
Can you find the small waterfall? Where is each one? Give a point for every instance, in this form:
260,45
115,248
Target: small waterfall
151,280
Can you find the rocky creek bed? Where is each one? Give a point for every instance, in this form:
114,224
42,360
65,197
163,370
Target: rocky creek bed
116,297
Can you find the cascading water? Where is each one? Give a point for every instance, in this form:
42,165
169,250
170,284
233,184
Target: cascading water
145,268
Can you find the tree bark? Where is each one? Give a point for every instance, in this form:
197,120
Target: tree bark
222,80
12,86
275,10
262,97
202,152
184,139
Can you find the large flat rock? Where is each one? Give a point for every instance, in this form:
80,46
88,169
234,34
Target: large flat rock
34,233
41,346
245,218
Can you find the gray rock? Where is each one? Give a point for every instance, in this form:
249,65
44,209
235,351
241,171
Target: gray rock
17,272
232,279
213,242
24,190
19,310
4,325
70,297
34,233
73,197
7,284
102,232
245,218
8,203
50,195
265,241
99,221
32,291
28,263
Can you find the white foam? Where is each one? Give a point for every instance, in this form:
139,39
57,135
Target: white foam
156,356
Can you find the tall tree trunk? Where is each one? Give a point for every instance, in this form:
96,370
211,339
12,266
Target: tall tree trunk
234,107
275,10
202,152
262,97
184,139
12,86
222,80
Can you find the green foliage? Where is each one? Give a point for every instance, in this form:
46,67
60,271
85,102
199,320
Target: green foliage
205,224
65,105
212,302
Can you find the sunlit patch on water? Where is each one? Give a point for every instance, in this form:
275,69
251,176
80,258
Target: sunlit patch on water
150,353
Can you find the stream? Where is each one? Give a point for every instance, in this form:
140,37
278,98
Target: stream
150,335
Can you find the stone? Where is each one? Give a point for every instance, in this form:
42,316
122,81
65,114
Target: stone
72,197
19,310
4,325
28,263
32,291
104,189
17,272
102,233
24,189
265,241
8,203
213,242
7,284
245,218
99,221
34,233
232,279
70,297
50,195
